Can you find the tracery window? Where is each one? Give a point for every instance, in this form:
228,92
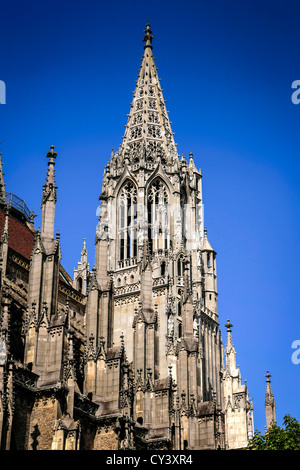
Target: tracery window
153,116
152,103
139,104
158,216
135,133
154,131
151,91
128,221
183,209
137,118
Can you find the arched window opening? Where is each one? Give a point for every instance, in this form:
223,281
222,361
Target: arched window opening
183,202
179,267
179,330
128,222
179,308
208,260
158,218
79,284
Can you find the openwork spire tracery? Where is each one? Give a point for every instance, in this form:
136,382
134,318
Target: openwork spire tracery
148,126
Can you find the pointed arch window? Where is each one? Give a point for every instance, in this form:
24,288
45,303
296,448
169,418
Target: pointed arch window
183,202
127,222
179,267
208,260
158,216
79,284
179,311
179,329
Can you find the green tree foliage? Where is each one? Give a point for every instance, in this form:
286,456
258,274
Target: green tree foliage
276,438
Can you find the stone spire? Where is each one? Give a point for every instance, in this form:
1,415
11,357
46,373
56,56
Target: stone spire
83,257
81,274
148,130
2,184
230,352
49,197
4,244
269,403
238,405
206,245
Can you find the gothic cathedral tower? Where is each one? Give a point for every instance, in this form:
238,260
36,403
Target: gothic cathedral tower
128,355
153,292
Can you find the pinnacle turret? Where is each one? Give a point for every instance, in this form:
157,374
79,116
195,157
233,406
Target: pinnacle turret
82,272
206,245
269,402
230,352
50,186
83,257
49,197
2,184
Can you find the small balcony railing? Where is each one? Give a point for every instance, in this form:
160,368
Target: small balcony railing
17,203
126,263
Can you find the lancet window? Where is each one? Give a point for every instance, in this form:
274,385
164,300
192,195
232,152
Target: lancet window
183,209
128,222
158,217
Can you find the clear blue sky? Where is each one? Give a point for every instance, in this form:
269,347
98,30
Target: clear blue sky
226,68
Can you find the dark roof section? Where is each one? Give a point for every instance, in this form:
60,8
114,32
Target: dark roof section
21,237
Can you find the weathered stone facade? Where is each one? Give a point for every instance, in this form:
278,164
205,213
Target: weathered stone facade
128,355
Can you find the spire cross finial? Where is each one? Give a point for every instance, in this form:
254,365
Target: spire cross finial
228,325
51,154
148,36
268,375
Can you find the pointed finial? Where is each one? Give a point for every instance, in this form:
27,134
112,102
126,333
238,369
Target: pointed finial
268,375
52,150
228,325
51,155
148,36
